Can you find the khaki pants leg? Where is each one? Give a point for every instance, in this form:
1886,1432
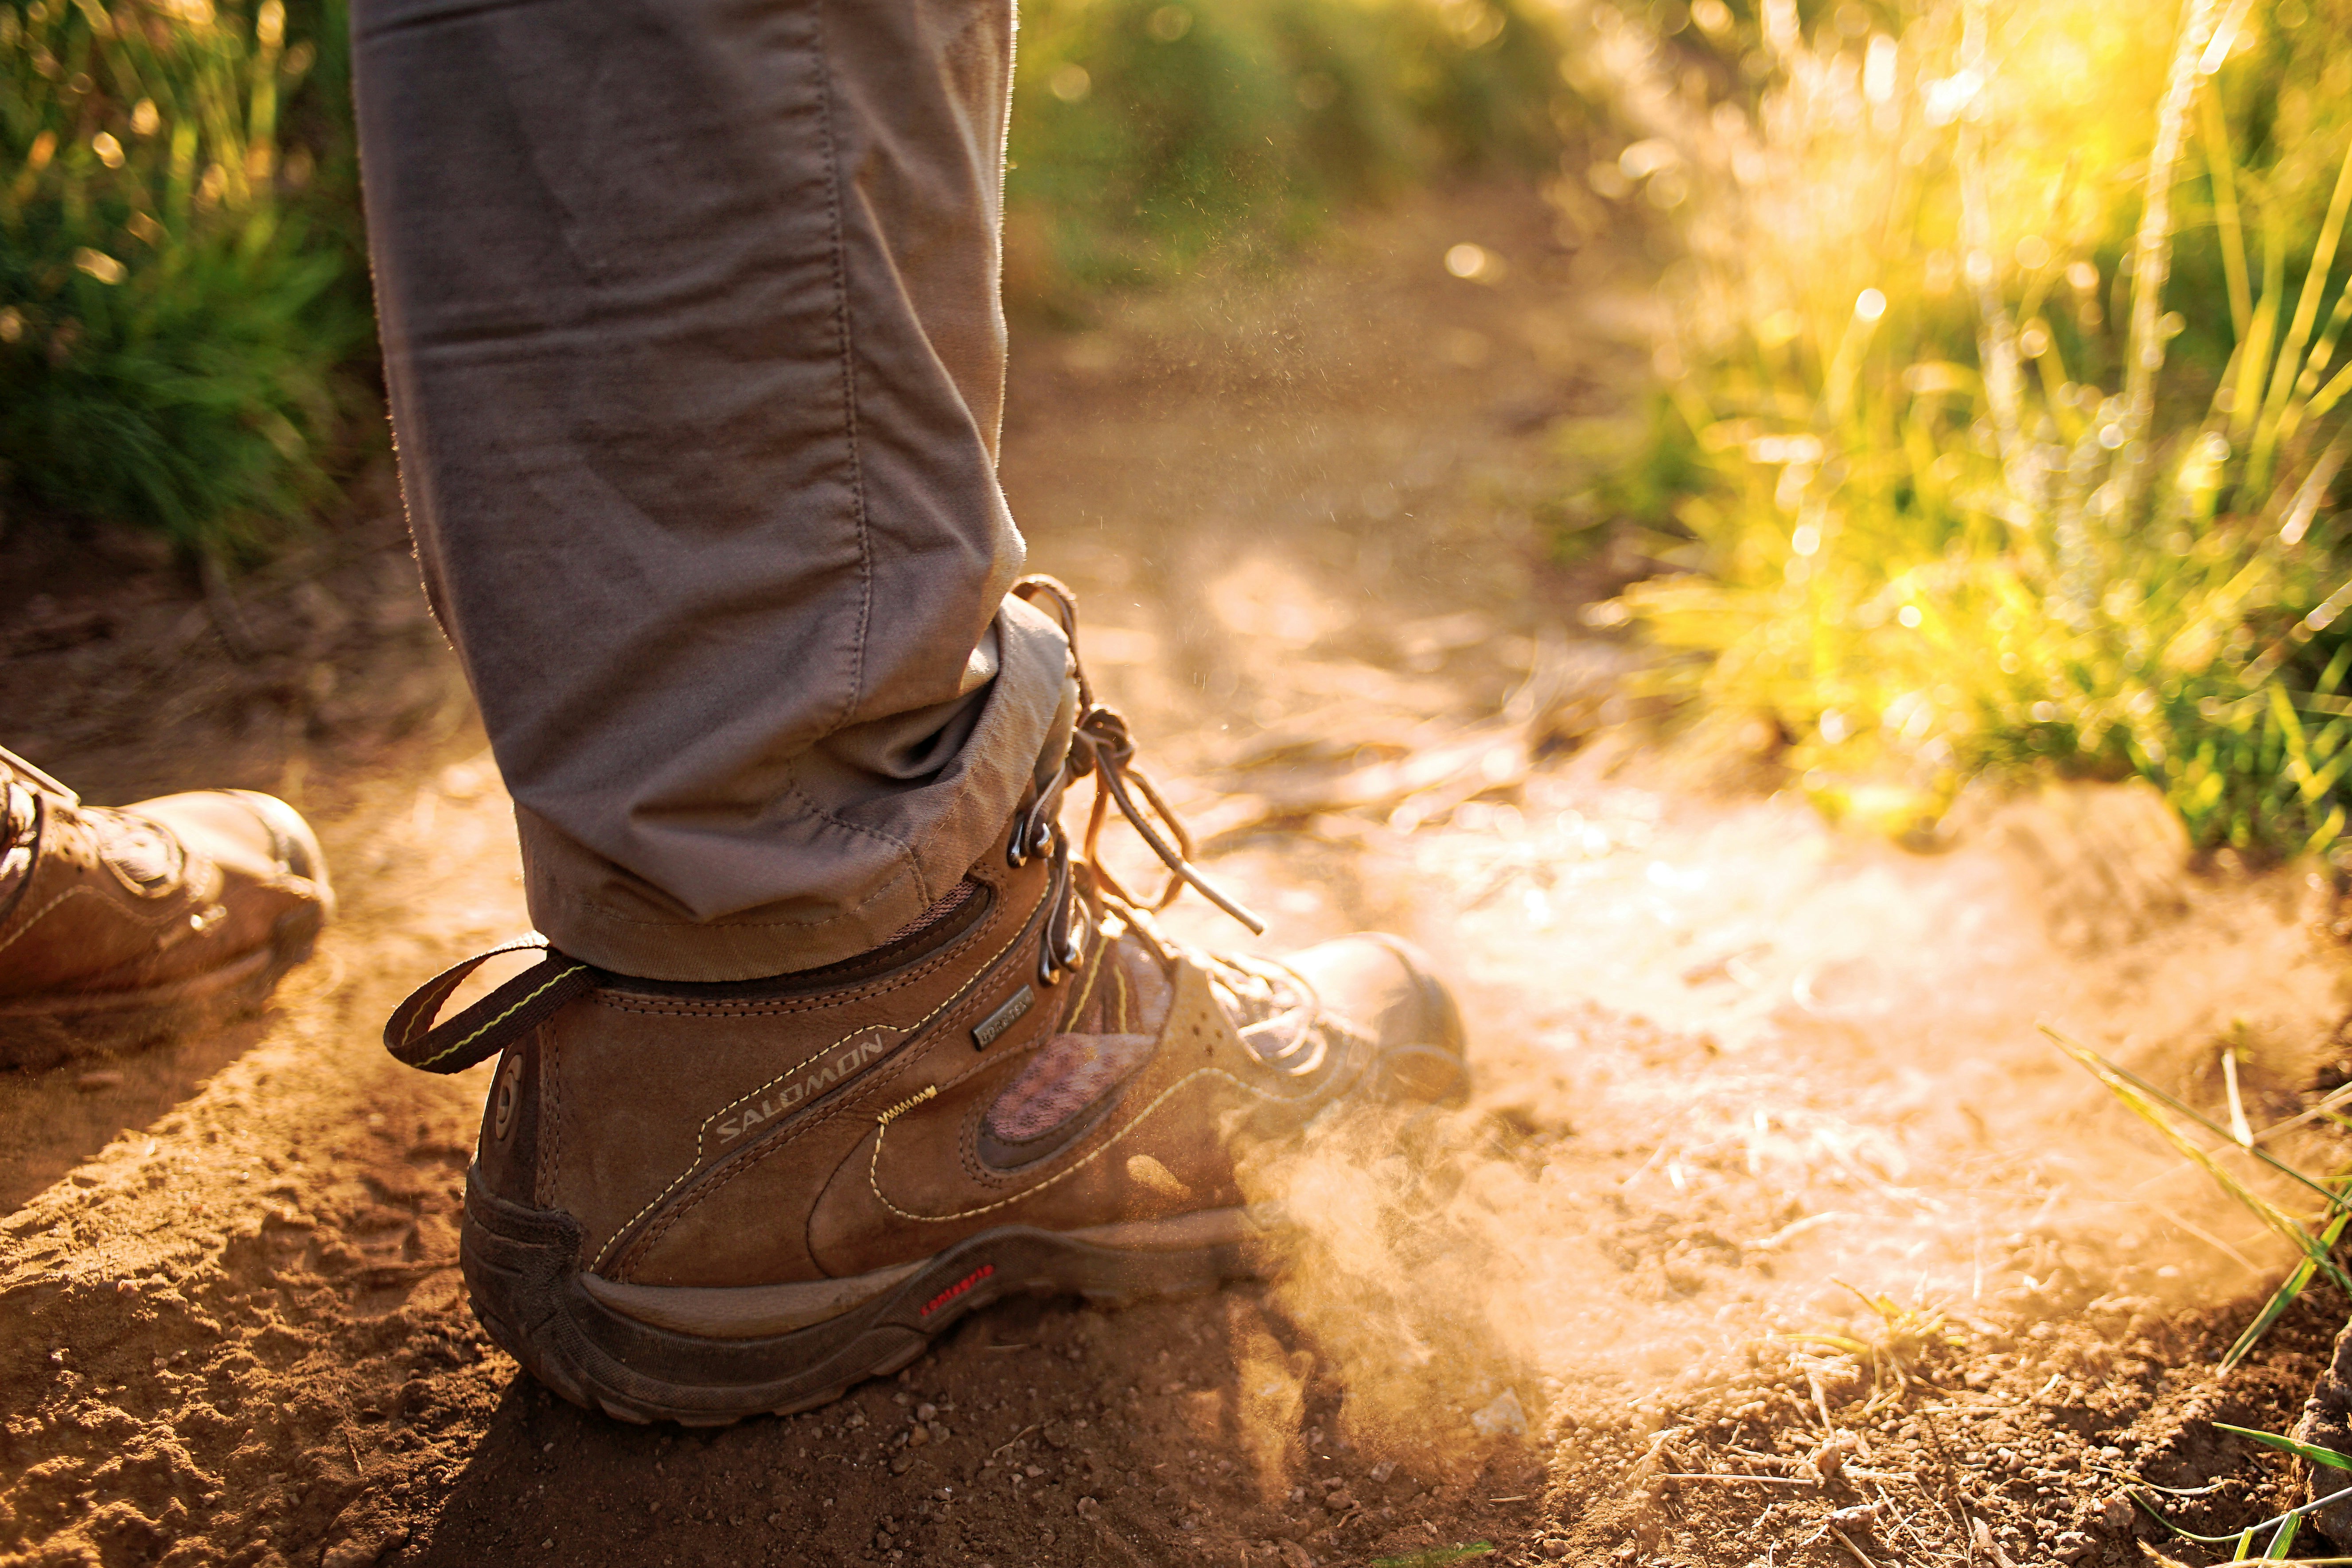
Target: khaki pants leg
690,321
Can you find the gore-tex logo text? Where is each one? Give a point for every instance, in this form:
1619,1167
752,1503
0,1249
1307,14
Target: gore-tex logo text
985,1033
796,1091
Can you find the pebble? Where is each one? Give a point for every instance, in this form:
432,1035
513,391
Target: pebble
1503,1418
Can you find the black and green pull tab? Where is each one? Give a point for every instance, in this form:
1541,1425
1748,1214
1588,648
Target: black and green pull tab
486,1027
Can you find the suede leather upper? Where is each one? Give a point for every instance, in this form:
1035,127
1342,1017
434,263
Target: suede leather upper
748,1139
154,899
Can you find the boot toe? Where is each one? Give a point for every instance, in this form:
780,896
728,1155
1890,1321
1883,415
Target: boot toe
1389,993
256,838
293,842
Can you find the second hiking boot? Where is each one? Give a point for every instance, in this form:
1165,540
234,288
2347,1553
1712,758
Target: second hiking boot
119,926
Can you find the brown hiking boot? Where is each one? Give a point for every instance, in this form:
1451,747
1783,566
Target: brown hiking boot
696,1203
119,926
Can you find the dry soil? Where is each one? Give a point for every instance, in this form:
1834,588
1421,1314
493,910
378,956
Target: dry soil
1775,1232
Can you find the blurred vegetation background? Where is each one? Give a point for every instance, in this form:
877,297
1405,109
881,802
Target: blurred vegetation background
182,290
1149,137
185,334
1999,423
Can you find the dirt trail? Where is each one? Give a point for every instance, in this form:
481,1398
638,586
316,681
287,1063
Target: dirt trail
1732,1062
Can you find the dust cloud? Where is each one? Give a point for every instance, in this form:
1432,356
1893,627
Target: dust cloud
1763,1104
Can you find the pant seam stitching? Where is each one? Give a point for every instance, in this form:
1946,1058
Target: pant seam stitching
844,323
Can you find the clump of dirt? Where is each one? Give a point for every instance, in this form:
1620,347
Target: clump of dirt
1772,1233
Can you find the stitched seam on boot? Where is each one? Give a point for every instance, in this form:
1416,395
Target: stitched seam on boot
85,892
1093,1111
967,1134
752,1007
913,1032
550,1115
752,1158
1093,1115
874,1173
969,1139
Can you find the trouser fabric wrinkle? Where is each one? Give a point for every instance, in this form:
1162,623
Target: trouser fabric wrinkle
692,333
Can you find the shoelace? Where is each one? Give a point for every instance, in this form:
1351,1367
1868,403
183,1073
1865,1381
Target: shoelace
1103,749
1277,1014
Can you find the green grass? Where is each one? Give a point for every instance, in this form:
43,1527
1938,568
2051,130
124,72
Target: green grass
2275,1536
2002,425
176,306
1436,1556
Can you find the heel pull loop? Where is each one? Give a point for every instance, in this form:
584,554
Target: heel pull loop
486,1027
1062,605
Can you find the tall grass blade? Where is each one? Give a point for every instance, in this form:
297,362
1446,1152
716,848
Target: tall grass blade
2152,246
2328,396
2103,1068
2272,1217
1996,333
2313,490
2289,1291
2298,332
2311,1452
2241,1133
2254,365
2221,169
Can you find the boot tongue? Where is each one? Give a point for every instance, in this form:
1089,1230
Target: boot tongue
1109,1035
20,823
22,786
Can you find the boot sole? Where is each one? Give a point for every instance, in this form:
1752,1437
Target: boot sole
42,1032
522,1269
